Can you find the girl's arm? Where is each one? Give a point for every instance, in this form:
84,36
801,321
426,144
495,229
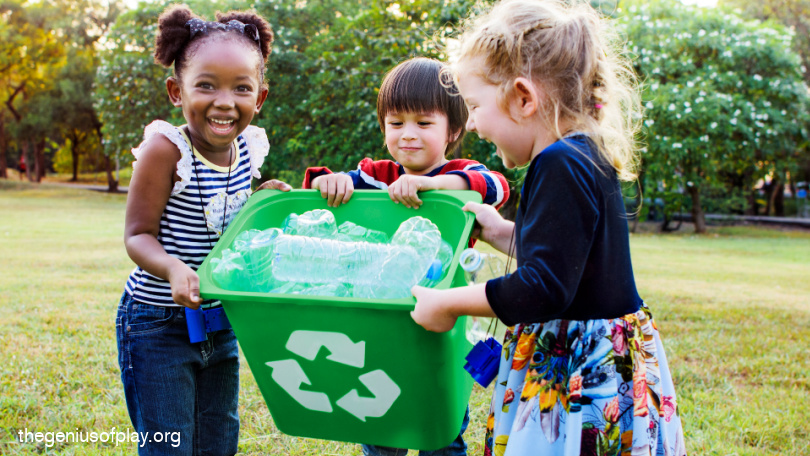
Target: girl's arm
149,190
492,228
438,310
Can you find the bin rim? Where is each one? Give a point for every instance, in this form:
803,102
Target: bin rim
210,290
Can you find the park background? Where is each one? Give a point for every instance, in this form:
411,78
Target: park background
725,132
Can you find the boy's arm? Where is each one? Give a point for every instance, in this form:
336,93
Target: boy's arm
491,185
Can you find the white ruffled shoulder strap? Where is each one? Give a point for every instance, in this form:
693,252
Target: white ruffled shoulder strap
258,146
184,165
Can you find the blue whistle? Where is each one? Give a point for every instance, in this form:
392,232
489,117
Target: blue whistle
201,322
483,361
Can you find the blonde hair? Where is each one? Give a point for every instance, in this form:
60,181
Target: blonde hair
574,56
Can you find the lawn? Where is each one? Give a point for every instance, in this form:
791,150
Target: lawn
733,308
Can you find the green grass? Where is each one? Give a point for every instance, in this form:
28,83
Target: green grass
733,308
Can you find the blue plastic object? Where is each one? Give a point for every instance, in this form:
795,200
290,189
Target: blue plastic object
201,322
435,270
483,361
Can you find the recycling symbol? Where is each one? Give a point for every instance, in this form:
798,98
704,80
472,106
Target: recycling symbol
289,375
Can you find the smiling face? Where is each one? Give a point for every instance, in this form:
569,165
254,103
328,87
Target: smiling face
220,91
489,119
417,141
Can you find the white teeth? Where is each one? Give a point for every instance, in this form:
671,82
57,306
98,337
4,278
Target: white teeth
222,122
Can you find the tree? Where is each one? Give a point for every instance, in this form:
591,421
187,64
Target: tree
27,48
49,62
726,102
794,14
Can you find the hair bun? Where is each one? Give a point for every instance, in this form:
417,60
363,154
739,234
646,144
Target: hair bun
263,28
173,35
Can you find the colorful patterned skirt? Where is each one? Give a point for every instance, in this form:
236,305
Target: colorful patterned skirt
592,387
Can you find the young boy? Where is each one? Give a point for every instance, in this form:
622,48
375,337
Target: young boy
422,124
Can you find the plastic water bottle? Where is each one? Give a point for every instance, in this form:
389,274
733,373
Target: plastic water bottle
374,269
229,271
348,231
258,255
479,268
315,223
438,269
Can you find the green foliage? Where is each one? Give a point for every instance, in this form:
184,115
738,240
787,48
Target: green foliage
726,103
328,61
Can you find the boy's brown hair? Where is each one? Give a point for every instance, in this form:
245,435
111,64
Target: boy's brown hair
416,85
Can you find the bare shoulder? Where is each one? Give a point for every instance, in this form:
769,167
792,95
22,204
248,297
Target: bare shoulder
158,156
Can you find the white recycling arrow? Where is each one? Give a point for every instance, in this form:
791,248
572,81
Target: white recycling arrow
307,344
385,392
289,375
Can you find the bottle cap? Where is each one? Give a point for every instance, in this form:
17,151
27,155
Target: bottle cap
435,270
470,259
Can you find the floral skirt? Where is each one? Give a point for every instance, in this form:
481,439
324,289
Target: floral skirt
592,387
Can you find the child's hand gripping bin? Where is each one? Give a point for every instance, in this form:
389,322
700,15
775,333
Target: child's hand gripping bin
382,379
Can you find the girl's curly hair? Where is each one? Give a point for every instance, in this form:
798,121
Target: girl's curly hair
174,44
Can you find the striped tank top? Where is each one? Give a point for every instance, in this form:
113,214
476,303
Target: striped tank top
193,219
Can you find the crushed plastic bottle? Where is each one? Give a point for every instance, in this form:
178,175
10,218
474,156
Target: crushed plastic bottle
258,255
388,269
348,231
352,260
479,268
315,223
230,271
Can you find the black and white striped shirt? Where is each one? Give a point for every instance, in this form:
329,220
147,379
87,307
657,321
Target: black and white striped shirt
183,232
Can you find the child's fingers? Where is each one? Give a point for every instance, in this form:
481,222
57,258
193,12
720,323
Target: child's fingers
327,188
348,190
275,184
470,206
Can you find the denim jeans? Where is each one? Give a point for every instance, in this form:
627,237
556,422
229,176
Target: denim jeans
182,397
456,448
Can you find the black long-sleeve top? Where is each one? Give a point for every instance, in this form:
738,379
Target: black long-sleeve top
572,242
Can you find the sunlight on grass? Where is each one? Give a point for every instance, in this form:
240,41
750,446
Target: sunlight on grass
733,308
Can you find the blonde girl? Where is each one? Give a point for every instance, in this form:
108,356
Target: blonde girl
583,371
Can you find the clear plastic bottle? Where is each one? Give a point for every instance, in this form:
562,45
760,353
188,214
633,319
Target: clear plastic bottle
258,254
229,271
348,231
315,223
480,267
375,270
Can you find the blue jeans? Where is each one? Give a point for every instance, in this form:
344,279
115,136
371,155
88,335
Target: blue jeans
457,448
182,397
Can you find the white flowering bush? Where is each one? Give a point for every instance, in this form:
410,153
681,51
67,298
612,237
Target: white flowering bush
725,102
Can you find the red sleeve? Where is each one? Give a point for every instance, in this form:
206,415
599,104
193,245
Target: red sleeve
313,172
491,185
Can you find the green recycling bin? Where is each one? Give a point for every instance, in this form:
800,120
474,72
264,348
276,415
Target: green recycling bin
351,369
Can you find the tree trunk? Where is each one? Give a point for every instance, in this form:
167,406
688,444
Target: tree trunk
39,160
74,153
779,200
698,217
770,192
3,151
112,184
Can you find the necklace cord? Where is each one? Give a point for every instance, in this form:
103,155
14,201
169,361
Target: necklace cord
199,192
